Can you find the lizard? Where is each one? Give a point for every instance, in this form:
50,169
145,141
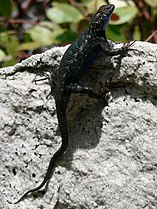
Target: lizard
74,65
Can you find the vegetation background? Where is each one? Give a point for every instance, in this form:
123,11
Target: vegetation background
32,26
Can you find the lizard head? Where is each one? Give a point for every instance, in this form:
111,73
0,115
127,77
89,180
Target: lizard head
101,19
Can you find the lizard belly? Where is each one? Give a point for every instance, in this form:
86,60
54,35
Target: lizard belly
88,62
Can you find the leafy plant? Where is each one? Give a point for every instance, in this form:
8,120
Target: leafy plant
31,25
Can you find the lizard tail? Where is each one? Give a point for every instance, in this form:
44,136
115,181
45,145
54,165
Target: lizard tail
61,114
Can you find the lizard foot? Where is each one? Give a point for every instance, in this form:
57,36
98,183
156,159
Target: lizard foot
51,80
126,46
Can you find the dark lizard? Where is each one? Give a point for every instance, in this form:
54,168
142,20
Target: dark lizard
74,65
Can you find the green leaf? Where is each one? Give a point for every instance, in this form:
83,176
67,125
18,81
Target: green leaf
5,8
123,15
12,45
41,35
29,45
137,34
62,13
2,55
152,3
67,36
10,62
115,32
45,36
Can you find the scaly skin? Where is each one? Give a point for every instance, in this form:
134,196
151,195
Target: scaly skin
74,65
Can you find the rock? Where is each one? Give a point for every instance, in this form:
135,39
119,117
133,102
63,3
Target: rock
111,161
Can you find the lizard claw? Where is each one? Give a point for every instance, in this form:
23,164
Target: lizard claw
126,46
103,92
104,89
51,80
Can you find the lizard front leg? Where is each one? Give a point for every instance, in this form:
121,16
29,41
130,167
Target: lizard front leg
115,51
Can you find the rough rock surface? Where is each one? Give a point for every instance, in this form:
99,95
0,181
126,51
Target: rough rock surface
111,162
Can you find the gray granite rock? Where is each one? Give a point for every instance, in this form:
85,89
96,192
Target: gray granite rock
111,162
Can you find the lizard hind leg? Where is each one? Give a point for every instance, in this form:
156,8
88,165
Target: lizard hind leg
102,94
77,88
